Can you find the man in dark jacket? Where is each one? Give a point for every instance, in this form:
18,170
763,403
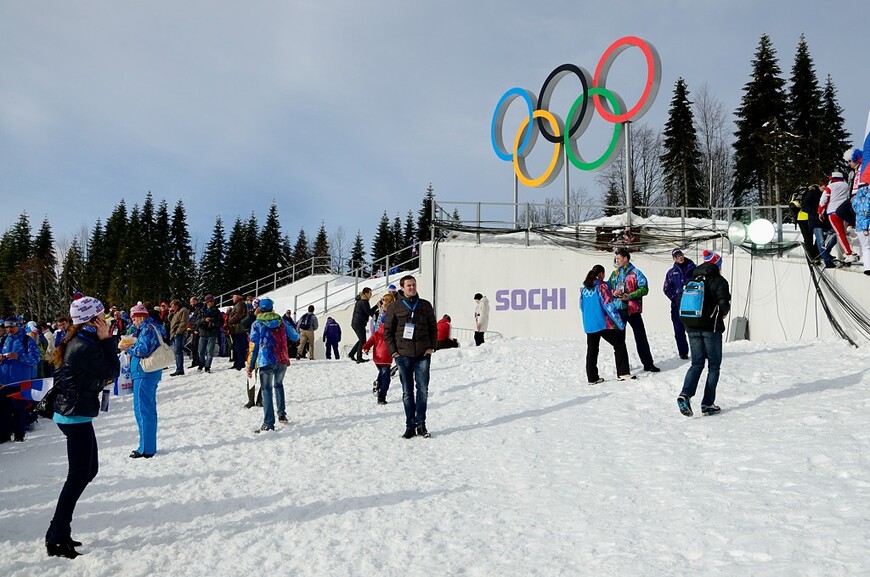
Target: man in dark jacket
705,336
238,332
675,280
210,323
362,312
411,334
195,318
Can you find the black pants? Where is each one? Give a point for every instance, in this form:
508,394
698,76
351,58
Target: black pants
194,353
360,332
478,338
809,240
635,321
617,339
81,450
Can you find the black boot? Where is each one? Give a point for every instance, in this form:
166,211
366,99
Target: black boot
410,433
61,550
250,402
382,398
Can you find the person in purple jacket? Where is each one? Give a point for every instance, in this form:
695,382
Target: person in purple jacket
331,336
675,280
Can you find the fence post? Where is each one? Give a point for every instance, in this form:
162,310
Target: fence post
325,296
729,214
478,223
387,264
779,229
295,305
683,220
528,224
312,266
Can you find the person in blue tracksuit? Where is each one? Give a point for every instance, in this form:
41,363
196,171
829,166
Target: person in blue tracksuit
601,320
269,355
675,280
149,334
331,336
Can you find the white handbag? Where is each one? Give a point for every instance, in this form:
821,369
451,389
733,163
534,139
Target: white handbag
161,358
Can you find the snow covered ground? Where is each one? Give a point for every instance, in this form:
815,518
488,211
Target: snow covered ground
529,471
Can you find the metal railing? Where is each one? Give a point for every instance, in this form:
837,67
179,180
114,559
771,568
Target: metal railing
328,294
499,216
279,278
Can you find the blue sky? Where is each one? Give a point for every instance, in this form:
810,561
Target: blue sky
337,110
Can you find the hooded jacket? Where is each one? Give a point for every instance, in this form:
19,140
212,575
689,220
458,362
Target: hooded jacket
149,336
266,350
20,369
634,283
599,310
717,298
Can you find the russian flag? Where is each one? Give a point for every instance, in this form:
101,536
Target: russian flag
32,390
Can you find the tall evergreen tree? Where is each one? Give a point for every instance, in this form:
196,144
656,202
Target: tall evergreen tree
160,280
302,254
613,199
382,243
269,256
72,273
804,116
211,268
95,281
396,238
321,251
130,276
409,237
181,265
424,216
46,302
252,235
358,265
835,138
109,254
16,249
681,161
237,266
761,121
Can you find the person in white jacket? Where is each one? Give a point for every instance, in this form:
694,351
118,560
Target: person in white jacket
481,318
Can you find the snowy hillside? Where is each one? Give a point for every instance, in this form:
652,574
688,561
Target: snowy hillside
529,471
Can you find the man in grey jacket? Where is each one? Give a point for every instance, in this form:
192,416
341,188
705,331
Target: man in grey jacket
411,334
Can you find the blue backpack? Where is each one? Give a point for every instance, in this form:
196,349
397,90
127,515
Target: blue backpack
692,303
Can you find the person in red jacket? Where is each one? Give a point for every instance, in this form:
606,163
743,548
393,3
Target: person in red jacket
444,340
383,361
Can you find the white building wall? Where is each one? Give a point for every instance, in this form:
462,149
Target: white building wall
534,290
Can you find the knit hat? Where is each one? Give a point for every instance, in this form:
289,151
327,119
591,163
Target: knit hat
676,252
266,305
836,174
857,155
10,322
77,295
31,327
713,258
139,310
85,309
392,288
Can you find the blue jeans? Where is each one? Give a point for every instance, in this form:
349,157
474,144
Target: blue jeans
178,349
414,374
272,378
383,380
825,245
206,351
705,346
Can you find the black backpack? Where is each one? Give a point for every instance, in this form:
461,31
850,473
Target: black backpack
305,322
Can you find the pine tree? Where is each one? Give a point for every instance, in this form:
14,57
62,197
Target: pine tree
237,267
683,180
16,249
613,200
396,238
321,251
269,256
382,243
46,301
211,267
160,284
109,254
424,216
804,116
252,236
72,274
129,280
409,238
358,265
835,138
760,124
94,281
302,254
181,265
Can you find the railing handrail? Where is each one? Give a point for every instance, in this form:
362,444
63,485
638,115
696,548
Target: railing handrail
308,266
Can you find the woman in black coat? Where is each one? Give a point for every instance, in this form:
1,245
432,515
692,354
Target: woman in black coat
86,359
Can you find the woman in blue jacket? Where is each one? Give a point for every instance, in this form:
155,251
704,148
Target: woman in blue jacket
148,333
601,320
85,360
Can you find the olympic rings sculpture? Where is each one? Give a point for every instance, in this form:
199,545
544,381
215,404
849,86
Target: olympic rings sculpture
540,121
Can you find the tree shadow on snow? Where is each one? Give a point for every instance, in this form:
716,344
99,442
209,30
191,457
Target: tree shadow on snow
806,388
530,414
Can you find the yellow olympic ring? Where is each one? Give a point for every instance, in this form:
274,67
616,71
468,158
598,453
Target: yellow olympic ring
555,163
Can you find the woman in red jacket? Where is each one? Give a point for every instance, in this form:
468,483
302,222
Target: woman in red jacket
382,359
